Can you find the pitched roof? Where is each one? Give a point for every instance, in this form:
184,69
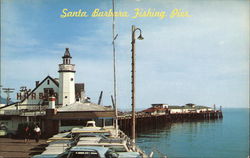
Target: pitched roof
9,105
48,77
80,106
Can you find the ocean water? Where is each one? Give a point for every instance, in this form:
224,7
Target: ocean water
222,138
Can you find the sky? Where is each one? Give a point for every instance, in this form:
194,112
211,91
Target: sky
201,59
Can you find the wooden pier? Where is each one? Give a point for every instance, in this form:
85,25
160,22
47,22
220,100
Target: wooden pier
145,120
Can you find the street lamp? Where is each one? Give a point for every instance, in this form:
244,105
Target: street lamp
134,29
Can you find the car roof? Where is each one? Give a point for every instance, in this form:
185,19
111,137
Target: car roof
112,140
100,150
61,142
90,121
93,134
55,150
61,134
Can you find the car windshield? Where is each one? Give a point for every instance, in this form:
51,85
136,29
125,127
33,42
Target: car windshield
90,125
84,154
117,148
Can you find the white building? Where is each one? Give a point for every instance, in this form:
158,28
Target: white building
34,102
162,105
66,80
178,109
188,108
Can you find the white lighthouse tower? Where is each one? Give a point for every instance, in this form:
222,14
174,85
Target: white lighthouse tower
66,80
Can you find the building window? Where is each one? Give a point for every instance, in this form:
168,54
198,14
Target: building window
66,97
47,82
71,79
47,92
74,122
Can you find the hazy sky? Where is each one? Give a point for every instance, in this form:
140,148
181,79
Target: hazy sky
202,59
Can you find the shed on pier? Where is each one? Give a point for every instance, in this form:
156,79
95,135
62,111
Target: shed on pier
76,115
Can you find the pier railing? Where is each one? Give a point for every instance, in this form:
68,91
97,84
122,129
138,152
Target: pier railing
143,115
131,145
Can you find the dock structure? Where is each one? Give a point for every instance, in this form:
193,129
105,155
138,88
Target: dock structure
144,120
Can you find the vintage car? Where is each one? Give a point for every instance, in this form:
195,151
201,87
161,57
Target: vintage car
88,151
61,136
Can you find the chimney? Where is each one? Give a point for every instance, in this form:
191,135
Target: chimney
52,103
56,79
51,110
83,96
37,83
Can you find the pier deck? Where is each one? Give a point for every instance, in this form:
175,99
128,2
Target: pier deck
17,148
144,120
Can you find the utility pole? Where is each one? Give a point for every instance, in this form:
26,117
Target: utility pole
114,36
133,78
8,91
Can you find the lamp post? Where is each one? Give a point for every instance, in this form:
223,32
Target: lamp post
134,29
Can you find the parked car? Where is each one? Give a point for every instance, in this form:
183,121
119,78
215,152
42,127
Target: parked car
88,151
